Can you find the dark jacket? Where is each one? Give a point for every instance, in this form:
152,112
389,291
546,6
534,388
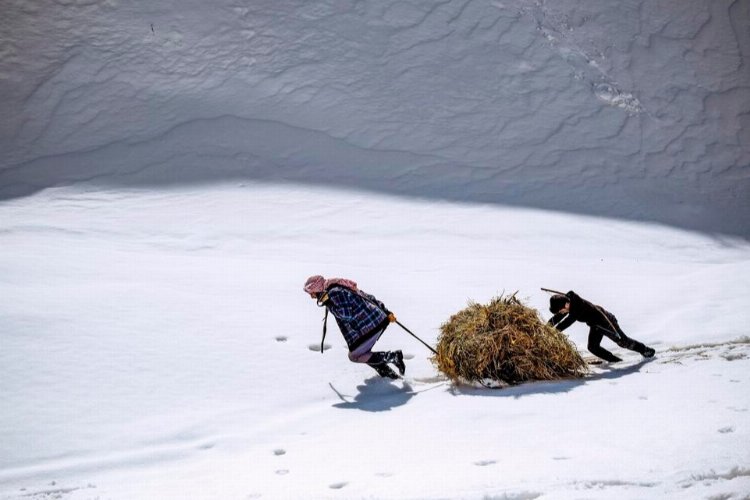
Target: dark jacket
357,313
584,311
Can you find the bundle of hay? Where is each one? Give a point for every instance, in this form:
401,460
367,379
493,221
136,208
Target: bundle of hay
507,342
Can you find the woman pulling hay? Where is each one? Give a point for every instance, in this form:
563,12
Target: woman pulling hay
362,319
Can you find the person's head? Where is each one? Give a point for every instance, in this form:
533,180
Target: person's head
559,304
314,286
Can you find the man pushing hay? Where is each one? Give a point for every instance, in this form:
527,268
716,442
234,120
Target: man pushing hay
569,308
505,341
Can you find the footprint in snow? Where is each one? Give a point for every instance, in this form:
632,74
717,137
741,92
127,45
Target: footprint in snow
282,472
281,338
408,356
338,486
484,463
279,452
316,347
727,430
384,474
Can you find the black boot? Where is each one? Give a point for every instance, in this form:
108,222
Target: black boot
383,370
648,352
397,358
379,361
601,352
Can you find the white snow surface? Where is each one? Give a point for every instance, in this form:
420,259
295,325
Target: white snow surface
633,109
158,344
172,172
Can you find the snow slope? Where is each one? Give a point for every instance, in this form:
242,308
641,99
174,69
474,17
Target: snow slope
632,109
157,344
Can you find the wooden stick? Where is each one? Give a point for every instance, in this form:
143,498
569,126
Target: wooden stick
553,291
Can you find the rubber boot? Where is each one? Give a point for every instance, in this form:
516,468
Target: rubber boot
397,358
379,362
383,370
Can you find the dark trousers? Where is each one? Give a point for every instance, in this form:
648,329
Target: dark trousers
617,336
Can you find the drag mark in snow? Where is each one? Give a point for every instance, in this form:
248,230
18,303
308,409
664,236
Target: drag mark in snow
734,350
734,356
54,493
600,485
338,486
712,476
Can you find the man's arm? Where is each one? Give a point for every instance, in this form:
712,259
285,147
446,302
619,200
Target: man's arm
556,319
561,321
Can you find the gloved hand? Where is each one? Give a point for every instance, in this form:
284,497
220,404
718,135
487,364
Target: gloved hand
391,317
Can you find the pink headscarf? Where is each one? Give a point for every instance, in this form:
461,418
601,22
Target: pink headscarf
318,284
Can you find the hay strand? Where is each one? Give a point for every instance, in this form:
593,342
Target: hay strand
507,342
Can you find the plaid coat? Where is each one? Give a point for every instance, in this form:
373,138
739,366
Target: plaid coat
357,313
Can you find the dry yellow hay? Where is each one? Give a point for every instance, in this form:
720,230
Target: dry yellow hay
504,341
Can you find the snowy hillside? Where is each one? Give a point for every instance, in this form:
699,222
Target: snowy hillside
632,109
172,172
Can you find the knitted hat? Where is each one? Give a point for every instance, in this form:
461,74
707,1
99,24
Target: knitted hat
557,302
315,284
318,284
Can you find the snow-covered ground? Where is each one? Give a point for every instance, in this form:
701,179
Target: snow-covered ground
172,171
157,344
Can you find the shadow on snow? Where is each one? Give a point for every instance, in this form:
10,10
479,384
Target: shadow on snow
376,394
551,386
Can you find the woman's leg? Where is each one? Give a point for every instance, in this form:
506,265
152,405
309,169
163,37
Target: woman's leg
363,352
378,360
